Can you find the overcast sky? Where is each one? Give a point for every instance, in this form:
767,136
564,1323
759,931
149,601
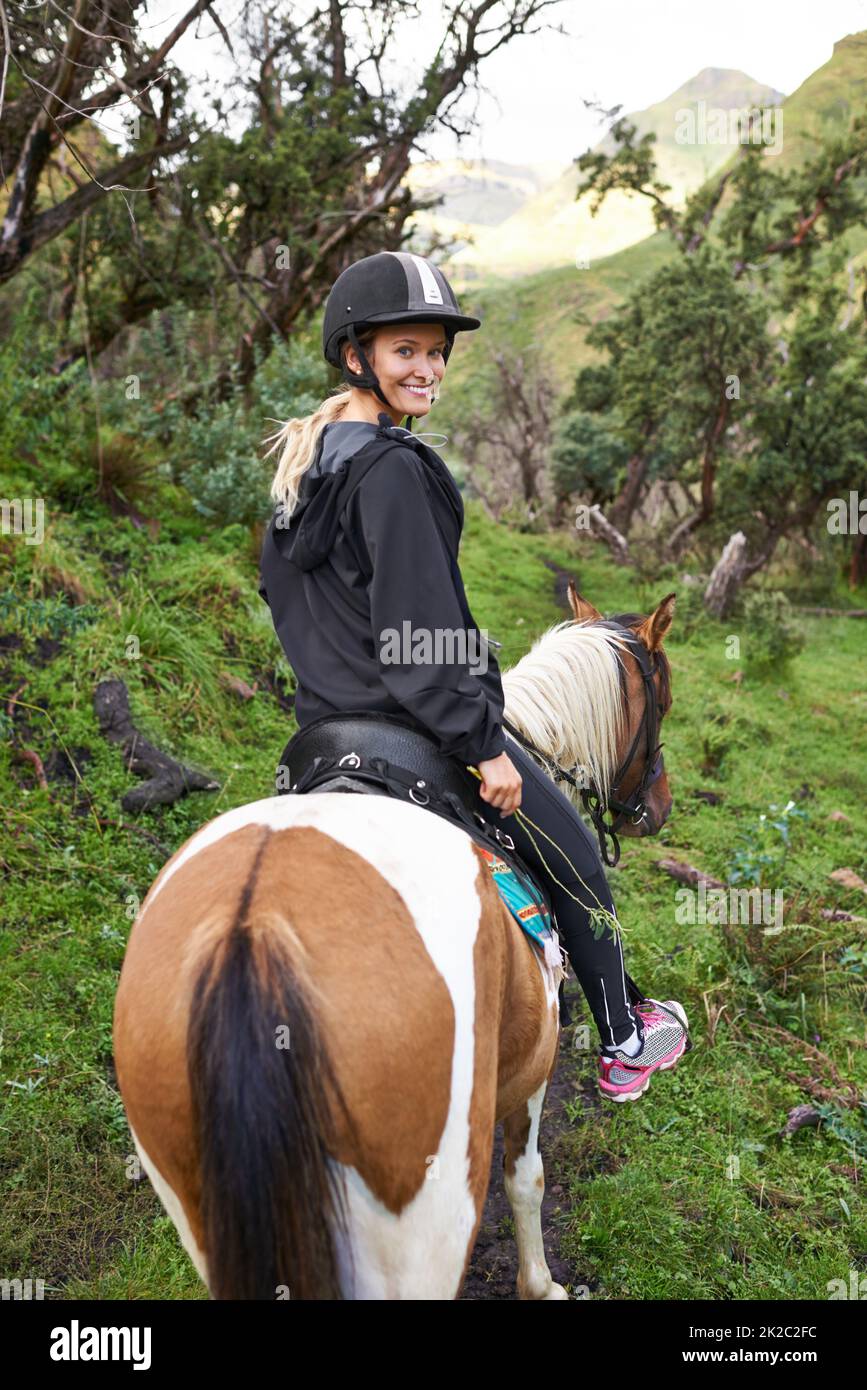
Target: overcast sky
632,53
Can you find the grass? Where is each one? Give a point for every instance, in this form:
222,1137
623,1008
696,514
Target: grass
699,1196
651,1211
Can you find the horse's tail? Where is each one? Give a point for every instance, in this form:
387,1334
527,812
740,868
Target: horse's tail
263,1090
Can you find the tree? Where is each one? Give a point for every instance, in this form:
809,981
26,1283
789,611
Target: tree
258,225
806,431
764,213
60,74
506,441
691,370
682,350
586,457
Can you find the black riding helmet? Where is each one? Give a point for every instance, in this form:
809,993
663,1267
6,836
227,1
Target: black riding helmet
390,287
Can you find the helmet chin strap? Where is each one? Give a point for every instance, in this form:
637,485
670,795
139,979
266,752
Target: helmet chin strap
368,380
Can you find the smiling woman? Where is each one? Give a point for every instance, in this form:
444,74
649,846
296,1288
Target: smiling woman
364,544
410,297
359,541
409,366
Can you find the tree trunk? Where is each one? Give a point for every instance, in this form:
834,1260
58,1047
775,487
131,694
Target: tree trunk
689,524
732,568
628,498
858,565
617,544
727,576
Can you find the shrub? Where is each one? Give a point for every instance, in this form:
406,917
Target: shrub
587,457
217,455
772,637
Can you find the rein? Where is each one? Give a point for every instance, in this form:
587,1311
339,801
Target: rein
634,806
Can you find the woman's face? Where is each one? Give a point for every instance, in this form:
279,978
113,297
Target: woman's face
408,360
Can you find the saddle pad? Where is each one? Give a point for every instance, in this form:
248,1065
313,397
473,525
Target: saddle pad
532,918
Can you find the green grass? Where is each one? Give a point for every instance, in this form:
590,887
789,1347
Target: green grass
669,1221
651,1213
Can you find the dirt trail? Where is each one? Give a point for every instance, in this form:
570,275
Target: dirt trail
494,1266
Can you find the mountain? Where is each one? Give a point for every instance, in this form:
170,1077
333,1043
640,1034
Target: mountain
542,308
477,194
826,101
551,228
709,105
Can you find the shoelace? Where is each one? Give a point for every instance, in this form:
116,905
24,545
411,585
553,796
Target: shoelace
650,1016
659,1014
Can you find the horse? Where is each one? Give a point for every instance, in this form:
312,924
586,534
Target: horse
325,1008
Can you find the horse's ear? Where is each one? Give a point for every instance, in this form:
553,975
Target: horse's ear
582,611
654,628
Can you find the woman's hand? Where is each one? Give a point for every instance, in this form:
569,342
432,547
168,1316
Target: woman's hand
501,784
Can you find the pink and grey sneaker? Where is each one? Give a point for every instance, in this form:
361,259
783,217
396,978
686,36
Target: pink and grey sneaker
663,1032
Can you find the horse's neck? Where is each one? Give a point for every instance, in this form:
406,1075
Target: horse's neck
565,697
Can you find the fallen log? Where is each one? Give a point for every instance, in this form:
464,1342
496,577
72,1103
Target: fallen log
617,543
168,780
834,612
685,873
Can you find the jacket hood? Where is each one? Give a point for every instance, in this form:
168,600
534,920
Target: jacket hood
309,535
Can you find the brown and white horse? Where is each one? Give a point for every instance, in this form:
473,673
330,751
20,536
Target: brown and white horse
325,1009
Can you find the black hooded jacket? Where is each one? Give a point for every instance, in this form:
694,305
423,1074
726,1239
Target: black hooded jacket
371,547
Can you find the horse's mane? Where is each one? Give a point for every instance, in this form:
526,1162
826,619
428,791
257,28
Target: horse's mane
565,697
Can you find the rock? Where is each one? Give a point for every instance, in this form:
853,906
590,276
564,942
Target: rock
849,879
237,686
800,1116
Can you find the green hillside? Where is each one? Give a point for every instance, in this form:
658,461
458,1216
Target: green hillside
476,194
827,101
648,1208
540,308
552,228
539,311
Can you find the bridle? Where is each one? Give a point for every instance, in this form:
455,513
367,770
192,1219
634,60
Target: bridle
633,807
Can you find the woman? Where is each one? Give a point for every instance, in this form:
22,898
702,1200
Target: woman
389,325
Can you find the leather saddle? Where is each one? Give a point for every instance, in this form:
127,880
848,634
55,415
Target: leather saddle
346,743
389,755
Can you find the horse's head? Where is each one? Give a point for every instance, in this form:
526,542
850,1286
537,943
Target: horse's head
639,799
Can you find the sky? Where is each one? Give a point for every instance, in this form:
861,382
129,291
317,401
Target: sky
632,53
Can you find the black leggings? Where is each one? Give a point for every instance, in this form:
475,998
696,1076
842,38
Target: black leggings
596,959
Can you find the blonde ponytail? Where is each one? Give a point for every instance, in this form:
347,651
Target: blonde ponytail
297,441
299,438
